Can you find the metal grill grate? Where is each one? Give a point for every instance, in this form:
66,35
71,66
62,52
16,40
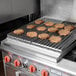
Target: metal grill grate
67,40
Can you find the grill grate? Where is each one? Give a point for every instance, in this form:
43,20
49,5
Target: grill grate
65,40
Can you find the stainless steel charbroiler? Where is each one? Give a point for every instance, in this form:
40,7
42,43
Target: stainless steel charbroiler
42,53
53,50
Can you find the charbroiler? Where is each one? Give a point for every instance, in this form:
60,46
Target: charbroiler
39,56
29,53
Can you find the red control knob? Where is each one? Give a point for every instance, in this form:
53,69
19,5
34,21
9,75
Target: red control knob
44,73
32,68
17,63
7,59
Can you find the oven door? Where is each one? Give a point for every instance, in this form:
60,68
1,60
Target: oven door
11,71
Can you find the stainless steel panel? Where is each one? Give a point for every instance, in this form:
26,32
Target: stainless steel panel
12,9
9,71
24,7
5,10
73,16
61,67
57,9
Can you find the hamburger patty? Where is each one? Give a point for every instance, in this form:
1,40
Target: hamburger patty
49,23
41,28
18,31
39,21
30,26
64,32
59,25
52,29
31,34
55,39
69,27
43,36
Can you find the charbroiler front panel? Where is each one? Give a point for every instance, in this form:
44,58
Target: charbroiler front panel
22,66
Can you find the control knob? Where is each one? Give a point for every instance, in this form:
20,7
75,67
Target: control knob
44,73
17,63
7,59
32,68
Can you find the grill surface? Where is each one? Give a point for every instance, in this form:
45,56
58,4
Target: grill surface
66,41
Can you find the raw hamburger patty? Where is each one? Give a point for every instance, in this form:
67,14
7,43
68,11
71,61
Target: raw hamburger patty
39,21
59,25
18,31
64,32
41,28
55,39
52,29
30,26
43,36
69,27
31,34
49,23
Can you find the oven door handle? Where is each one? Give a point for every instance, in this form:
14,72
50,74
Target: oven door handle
17,73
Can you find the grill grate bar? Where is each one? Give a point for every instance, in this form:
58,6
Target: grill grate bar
38,41
48,43
29,39
43,42
64,43
69,41
59,44
53,45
